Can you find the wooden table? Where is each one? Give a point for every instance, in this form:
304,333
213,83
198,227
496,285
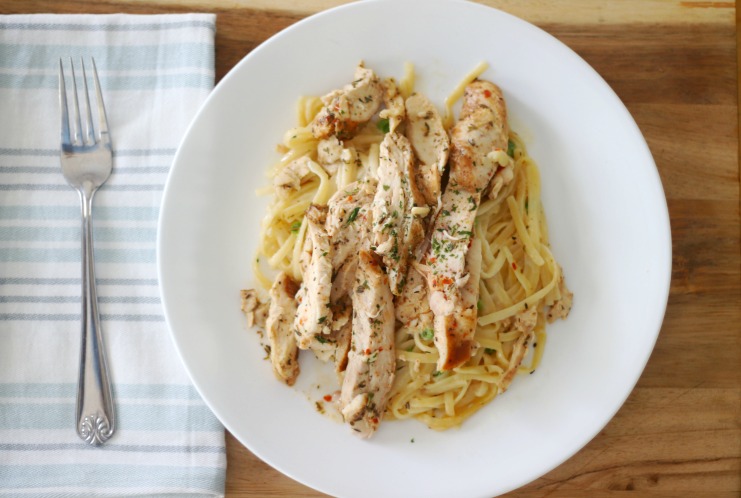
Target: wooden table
674,64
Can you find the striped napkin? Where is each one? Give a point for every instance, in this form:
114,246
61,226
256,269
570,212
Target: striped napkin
155,72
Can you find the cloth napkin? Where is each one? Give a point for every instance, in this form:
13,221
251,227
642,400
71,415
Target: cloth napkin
155,71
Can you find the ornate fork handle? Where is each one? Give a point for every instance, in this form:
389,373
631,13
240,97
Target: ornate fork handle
87,160
95,416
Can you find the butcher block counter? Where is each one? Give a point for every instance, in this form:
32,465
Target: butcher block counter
675,66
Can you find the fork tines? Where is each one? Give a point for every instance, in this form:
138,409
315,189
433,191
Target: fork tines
75,125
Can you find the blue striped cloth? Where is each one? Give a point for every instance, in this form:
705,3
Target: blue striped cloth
155,72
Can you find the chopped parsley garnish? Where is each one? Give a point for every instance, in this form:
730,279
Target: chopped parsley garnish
427,334
295,226
511,149
353,215
383,125
322,319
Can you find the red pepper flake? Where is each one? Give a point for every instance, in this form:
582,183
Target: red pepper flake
375,420
327,397
514,265
487,93
367,351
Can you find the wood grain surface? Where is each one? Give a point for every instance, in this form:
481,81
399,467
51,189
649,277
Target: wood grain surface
675,66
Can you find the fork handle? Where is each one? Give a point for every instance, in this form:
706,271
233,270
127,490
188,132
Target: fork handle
95,414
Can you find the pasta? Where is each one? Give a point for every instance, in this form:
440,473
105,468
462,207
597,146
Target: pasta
520,278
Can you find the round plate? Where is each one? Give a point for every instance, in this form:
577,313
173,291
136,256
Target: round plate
608,222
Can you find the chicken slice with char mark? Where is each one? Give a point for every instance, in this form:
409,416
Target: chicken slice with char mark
477,141
335,346
479,134
279,325
454,332
397,231
347,109
431,145
348,226
372,360
314,316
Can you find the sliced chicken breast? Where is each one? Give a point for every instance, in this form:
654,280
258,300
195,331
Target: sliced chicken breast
431,144
335,346
372,359
476,139
412,306
397,231
481,131
314,315
279,325
454,332
347,109
348,226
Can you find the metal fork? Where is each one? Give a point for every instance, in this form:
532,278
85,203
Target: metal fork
87,161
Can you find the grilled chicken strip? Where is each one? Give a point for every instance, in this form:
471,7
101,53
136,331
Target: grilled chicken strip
454,332
279,325
314,316
345,110
430,142
480,132
372,359
477,141
348,226
396,229
412,306
335,346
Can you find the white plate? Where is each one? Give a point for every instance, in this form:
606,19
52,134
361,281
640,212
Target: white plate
609,229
